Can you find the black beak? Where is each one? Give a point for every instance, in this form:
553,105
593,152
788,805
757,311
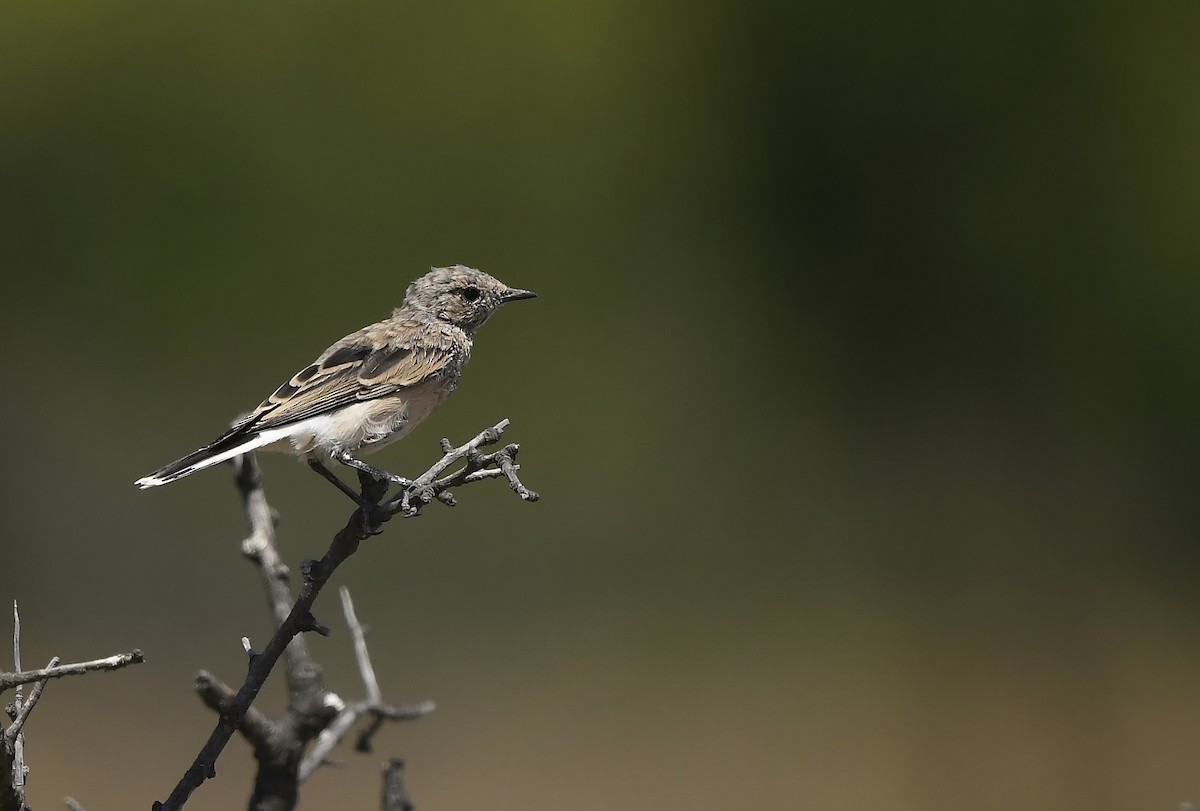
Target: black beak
512,294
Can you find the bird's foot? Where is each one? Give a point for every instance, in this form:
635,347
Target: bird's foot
365,470
370,520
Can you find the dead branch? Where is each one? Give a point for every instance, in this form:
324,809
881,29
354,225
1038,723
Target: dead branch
395,798
115,662
315,712
373,705
13,771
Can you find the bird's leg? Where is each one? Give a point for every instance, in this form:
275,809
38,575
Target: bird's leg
379,475
329,476
365,505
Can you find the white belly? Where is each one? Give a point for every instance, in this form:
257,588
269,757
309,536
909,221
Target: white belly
365,426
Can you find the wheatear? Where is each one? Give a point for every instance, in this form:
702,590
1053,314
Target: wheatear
371,387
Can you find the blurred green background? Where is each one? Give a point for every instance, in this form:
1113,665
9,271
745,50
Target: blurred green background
861,392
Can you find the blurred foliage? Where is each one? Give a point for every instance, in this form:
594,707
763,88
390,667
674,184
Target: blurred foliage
861,391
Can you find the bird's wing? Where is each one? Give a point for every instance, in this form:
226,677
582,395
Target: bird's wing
356,368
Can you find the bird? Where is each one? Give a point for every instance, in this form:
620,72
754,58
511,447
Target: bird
370,388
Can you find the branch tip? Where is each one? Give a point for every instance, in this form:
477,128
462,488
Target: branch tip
310,623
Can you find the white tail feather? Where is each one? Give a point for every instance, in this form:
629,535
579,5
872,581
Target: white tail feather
265,438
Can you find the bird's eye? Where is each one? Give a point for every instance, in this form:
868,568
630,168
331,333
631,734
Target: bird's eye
471,293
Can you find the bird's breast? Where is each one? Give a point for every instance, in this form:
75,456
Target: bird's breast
368,425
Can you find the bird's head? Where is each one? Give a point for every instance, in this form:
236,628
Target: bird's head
460,295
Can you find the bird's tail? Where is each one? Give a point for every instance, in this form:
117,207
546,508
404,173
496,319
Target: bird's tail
226,447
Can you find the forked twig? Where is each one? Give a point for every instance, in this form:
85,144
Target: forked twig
372,705
13,771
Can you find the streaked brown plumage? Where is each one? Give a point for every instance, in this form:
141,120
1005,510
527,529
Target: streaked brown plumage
371,387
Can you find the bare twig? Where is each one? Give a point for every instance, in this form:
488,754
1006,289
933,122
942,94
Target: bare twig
11,734
373,705
17,742
384,712
432,484
340,727
16,653
115,662
218,697
313,710
12,755
359,635
395,798
13,771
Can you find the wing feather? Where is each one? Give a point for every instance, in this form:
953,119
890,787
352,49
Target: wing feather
357,368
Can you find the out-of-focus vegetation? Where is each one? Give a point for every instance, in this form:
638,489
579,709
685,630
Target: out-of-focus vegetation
861,390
